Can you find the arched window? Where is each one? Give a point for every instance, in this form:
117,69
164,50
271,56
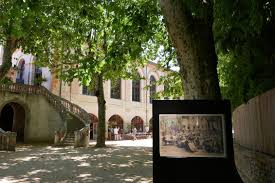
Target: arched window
116,89
152,88
87,91
136,90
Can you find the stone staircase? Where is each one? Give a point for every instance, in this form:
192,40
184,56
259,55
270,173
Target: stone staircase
65,109
69,139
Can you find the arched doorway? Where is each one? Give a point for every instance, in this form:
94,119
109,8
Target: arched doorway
93,126
114,121
138,123
151,125
12,118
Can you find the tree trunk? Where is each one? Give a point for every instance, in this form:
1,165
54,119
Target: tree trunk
194,44
9,48
100,141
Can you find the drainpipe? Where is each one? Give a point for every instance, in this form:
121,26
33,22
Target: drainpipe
70,92
125,100
146,96
60,81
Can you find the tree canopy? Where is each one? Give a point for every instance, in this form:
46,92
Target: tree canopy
244,43
107,40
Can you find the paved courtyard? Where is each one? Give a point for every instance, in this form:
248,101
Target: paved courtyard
121,161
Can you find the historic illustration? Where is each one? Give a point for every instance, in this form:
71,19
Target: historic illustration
192,135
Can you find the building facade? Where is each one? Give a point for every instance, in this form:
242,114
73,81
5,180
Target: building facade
128,103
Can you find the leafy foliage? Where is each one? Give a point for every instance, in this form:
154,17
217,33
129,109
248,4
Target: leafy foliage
172,86
243,32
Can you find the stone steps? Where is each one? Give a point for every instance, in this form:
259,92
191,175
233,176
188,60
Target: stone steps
69,139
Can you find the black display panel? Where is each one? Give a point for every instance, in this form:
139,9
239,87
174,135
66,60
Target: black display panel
192,141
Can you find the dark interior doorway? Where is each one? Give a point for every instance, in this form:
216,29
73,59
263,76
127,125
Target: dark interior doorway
12,118
6,118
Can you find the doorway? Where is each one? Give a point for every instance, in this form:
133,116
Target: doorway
12,118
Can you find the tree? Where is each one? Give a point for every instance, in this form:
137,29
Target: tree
29,25
244,38
162,51
18,21
11,30
109,38
189,24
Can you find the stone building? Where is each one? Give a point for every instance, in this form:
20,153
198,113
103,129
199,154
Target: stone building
128,103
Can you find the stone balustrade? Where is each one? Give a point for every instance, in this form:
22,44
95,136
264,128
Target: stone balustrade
62,105
82,137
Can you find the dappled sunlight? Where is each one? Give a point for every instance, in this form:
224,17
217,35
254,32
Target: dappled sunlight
25,158
38,171
56,164
84,164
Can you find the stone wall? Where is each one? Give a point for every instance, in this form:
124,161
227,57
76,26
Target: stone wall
254,123
254,167
41,118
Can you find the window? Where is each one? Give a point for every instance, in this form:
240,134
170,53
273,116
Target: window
116,89
87,91
152,88
136,90
20,72
37,76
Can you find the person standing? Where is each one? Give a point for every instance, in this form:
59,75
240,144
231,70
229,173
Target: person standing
135,133
146,129
116,133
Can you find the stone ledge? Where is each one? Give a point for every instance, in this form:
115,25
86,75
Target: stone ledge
254,167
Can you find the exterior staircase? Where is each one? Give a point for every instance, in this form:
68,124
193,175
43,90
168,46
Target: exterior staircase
69,139
65,109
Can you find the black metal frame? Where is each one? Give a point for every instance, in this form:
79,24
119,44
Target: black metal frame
194,169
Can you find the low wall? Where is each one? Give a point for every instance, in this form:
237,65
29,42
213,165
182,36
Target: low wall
254,123
7,141
254,167
254,135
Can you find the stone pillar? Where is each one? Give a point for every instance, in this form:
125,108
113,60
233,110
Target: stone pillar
8,141
77,139
82,137
56,138
11,141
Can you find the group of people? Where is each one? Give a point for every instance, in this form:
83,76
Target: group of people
117,132
207,140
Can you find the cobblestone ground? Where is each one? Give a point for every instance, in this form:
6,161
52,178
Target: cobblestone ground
121,161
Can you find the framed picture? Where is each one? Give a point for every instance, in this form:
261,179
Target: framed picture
192,140
191,135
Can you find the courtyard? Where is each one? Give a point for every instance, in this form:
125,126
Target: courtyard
121,161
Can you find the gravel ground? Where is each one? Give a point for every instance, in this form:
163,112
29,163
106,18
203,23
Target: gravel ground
121,161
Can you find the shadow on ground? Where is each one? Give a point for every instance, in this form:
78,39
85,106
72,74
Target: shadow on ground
42,163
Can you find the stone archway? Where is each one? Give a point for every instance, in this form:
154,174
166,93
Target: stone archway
12,118
138,123
114,121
